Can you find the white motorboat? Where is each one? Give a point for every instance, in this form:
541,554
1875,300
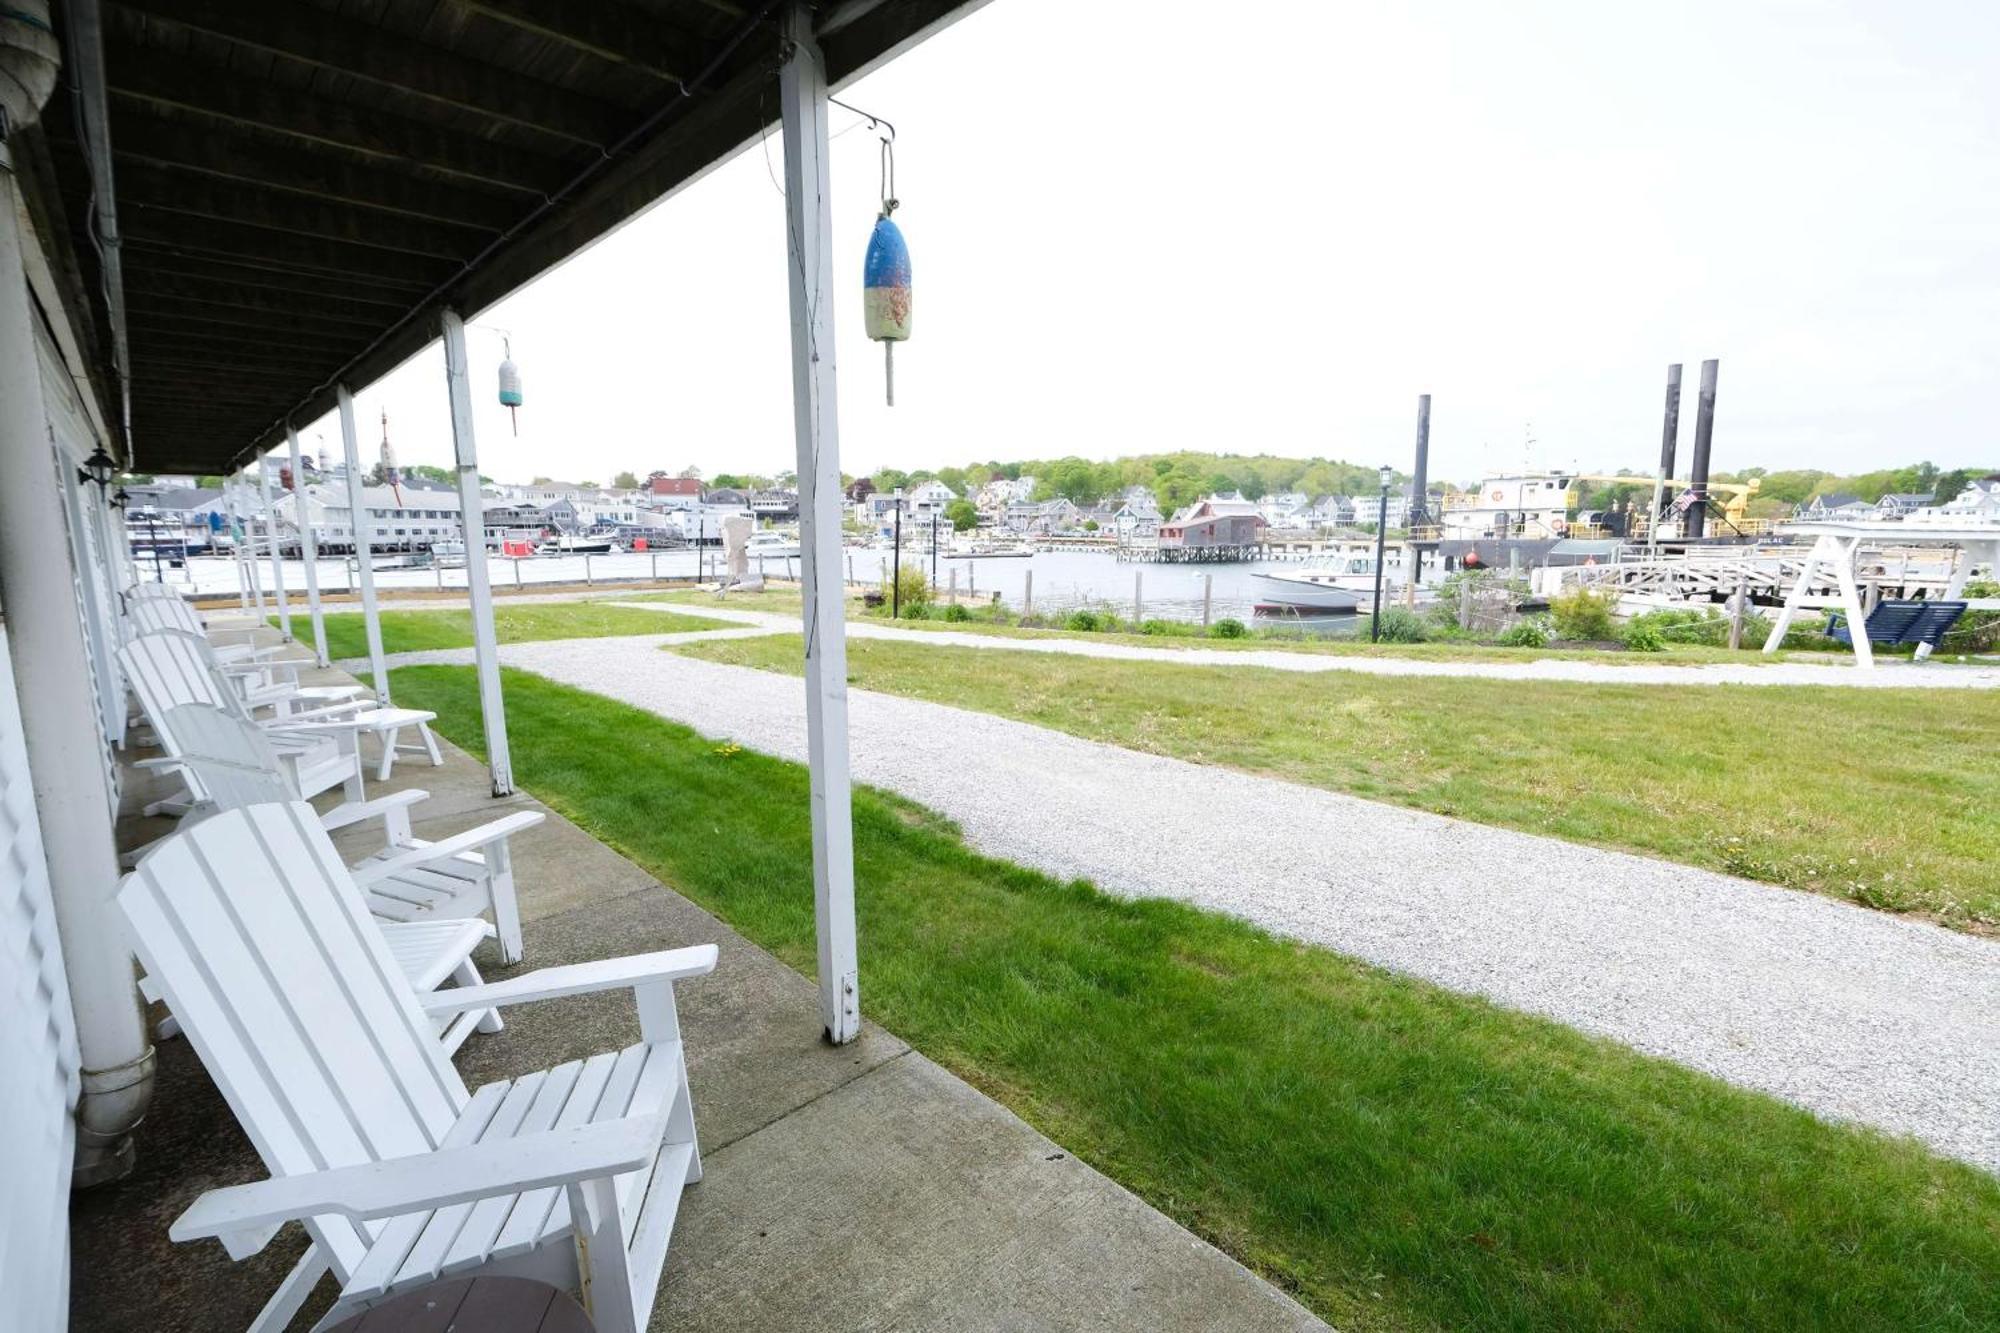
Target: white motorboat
771,545
1308,590
1342,584
570,543
987,549
448,554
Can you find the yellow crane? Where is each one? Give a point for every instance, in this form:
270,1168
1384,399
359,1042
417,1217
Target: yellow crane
1734,496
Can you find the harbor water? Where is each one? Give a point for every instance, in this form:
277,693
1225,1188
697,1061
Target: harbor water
1063,581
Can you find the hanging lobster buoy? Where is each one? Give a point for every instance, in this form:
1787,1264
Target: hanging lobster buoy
885,294
510,386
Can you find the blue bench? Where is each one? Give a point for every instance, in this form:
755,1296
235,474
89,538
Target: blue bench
1900,622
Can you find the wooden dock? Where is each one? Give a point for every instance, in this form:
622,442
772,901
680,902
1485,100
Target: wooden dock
1152,553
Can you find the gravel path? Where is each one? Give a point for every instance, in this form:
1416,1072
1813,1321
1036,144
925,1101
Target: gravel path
1851,1013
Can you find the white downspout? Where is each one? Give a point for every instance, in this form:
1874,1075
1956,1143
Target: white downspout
61,728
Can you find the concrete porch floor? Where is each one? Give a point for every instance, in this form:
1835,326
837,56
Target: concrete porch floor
861,1187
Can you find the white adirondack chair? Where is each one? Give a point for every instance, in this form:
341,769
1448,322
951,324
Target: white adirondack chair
286,990
261,675
229,763
167,670
151,615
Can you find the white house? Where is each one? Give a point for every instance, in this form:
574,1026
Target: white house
1896,505
1368,508
1287,509
409,521
1979,502
1837,506
927,498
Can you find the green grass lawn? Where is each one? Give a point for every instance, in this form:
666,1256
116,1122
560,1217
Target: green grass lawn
1890,798
410,631
1397,1156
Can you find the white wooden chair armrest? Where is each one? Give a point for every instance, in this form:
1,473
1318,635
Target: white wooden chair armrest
258,659
550,983
427,1180
353,812
471,840
325,718
312,728
159,764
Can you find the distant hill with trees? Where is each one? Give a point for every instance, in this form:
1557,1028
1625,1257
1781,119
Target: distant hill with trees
1179,478
1174,479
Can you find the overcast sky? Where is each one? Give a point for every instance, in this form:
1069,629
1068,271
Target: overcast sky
1137,228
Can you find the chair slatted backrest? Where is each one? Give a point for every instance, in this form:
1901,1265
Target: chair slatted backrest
1906,621
168,668
229,762
266,954
154,614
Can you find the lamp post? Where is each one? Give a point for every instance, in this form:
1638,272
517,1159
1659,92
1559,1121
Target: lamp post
896,563
1381,546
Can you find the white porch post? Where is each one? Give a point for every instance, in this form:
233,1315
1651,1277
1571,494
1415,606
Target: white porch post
60,725
308,546
240,536
478,585
253,565
364,536
271,536
809,278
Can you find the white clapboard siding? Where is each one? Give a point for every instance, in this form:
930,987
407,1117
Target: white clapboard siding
83,508
38,1058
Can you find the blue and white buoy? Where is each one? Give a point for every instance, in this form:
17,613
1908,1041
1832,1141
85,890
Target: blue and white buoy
885,293
510,384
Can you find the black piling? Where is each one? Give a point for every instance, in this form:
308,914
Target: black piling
1704,432
1670,433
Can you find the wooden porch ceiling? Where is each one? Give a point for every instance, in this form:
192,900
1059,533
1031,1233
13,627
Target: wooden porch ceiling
302,184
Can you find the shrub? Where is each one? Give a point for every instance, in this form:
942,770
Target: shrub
1526,634
1089,622
919,611
1582,614
910,586
956,614
1644,639
1159,627
1228,628
1401,626
1976,631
